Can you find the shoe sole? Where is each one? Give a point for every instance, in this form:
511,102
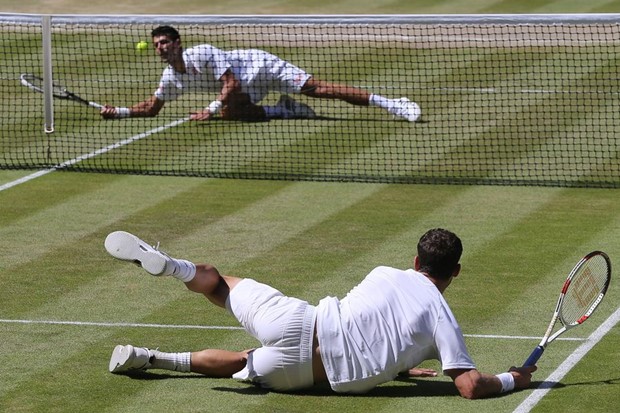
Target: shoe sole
417,112
127,247
120,358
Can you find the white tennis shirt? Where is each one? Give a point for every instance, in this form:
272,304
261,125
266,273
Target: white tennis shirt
392,321
204,66
257,71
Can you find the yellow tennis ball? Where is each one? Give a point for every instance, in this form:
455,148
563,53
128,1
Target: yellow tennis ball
142,45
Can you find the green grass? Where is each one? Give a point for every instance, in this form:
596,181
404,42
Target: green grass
309,240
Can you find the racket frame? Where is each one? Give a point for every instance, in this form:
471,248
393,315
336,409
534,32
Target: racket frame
549,337
58,91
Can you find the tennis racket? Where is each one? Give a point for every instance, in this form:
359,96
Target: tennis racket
36,83
582,292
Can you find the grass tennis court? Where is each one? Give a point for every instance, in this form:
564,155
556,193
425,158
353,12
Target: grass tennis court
308,239
66,303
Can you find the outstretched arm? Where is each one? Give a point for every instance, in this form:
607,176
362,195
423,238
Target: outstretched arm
145,109
472,384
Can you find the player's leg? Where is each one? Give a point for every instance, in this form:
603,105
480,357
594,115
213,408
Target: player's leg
218,363
401,108
241,107
210,362
325,90
204,279
209,282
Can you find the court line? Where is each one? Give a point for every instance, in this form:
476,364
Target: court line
103,324
92,154
532,400
202,327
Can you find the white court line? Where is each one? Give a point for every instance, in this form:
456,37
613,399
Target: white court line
92,154
99,324
521,337
499,90
532,400
26,178
524,91
200,327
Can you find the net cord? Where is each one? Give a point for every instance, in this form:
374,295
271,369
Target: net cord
422,19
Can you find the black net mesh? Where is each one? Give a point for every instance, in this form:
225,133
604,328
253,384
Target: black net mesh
515,104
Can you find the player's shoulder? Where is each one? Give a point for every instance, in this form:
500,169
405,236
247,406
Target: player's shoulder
387,268
202,49
392,272
383,269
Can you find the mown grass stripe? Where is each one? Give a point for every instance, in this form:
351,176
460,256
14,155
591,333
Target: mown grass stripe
252,231
82,214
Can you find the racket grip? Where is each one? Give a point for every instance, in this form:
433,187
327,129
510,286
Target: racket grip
533,358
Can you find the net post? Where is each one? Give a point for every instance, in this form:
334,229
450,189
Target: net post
46,26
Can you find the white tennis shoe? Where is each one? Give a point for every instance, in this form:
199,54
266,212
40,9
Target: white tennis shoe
406,109
127,247
294,109
127,358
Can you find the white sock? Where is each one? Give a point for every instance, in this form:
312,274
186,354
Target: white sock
171,361
181,269
380,101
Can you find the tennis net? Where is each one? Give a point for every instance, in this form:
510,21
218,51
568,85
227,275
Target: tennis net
506,99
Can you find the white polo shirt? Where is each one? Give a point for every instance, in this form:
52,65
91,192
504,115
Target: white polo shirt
392,321
257,71
204,66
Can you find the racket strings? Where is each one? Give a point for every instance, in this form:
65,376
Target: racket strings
584,291
37,83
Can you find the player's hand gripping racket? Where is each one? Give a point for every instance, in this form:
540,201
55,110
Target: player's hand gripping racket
582,292
36,83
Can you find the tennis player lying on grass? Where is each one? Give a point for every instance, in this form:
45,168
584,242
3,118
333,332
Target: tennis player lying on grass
243,78
386,326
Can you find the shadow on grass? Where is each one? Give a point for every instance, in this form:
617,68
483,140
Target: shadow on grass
406,387
317,118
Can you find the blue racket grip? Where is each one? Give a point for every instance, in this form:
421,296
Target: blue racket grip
533,358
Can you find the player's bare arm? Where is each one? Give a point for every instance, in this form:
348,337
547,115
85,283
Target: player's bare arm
145,109
231,103
230,87
472,384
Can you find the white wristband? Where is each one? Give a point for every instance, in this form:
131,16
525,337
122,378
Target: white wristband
215,107
508,381
122,112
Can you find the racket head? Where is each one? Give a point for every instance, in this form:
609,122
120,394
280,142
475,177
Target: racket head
584,288
36,83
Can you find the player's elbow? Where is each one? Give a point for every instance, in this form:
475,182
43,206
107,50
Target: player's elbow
471,393
151,107
471,385
151,113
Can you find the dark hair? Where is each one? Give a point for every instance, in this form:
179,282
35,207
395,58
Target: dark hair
167,31
439,252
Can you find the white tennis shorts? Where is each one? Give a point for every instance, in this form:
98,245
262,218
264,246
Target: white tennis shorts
285,328
261,72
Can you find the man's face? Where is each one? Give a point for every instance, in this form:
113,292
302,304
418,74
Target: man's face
166,48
